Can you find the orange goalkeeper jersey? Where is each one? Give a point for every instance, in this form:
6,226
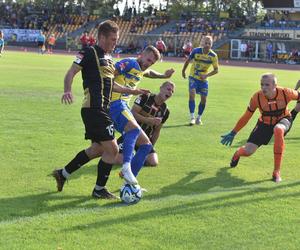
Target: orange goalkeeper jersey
272,110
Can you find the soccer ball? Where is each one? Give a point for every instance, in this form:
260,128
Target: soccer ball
131,194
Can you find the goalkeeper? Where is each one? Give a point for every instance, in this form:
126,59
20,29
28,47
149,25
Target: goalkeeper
275,118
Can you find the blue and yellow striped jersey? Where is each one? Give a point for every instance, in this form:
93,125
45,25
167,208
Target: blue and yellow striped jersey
129,75
201,62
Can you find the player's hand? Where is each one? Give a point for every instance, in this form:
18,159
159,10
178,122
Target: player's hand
183,74
67,98
169,73
155,121
203,77
140,91
227,139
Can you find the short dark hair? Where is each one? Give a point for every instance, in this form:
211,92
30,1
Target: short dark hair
152,49
106,27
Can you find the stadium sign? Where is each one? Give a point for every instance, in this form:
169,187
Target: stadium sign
269,35
21,35
272,34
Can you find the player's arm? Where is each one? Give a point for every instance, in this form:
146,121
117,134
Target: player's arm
157,128
185,65
156,134
294,95
67,96
227,139
152,121
154,74
187,61
125,90
242,122
213,72
297,85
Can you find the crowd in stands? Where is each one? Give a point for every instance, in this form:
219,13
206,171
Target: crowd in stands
279,19
200,24
151,16
26,15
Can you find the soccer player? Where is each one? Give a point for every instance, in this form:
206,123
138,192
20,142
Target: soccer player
275,118
129,73
97,70
202,58
151,112
1,42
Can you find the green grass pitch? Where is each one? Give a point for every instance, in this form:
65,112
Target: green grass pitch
194,200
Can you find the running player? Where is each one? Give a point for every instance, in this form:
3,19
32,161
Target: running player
129,73
202,58
98,70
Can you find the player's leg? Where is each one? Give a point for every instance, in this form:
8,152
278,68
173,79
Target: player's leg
83,157
202,88
246,150
279,131
295,111
144,148
192,94
151,160
260,135
201,108
127,125
110,151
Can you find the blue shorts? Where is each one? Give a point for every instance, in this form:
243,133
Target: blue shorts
201,87
120,114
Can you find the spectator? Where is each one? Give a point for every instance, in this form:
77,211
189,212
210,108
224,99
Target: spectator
1,42
187,48
270,52
161,46
51,43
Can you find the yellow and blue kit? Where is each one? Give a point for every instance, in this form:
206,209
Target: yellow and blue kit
201,62
129,75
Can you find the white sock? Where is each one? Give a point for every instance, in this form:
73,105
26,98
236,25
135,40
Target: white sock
65,173
192,116
199,117
126,166
98,188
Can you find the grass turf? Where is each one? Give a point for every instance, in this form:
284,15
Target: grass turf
194,201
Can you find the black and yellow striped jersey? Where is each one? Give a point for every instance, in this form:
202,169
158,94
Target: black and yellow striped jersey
97,70
151,109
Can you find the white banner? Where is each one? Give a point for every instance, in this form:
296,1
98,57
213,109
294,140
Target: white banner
297,3
21,35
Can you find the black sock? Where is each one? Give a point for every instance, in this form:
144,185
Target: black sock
103,173
294,114
80,159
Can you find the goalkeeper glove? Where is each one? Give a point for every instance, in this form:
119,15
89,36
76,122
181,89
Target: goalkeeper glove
227,139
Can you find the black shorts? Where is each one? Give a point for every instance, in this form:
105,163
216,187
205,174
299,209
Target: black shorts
98,125
262,133
40,44
120,145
